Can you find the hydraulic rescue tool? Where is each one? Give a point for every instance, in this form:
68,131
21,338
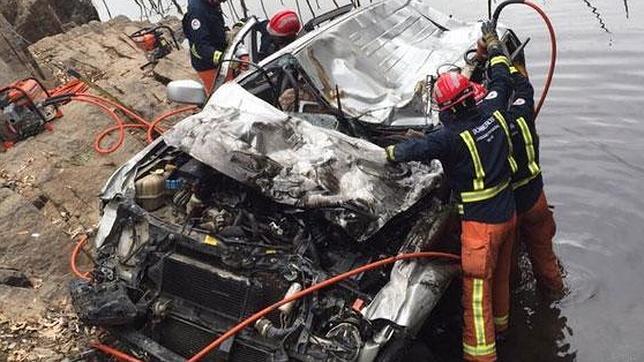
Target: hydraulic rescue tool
153,42
22,112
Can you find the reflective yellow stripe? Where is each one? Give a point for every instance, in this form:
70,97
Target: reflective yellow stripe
391,152
482,350
477,309
461,210
500,59
501,321
479,183
529,146
525,181
195,53
513,70
499,117
482,195
216,57
211,240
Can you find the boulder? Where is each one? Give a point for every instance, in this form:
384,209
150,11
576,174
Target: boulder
36,19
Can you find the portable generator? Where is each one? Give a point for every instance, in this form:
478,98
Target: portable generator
22,112
153,42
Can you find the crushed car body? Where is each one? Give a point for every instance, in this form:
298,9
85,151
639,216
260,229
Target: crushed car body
261,195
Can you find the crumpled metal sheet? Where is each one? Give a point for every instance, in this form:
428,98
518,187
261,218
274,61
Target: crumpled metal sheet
413,290
378,54
295,163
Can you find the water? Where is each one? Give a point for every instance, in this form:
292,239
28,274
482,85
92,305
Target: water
591,127
592,132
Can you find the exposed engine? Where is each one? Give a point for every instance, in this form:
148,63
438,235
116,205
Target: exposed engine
196,251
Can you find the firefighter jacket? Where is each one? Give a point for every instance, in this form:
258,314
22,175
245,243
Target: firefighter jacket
527,181
205,30
266,47
475,150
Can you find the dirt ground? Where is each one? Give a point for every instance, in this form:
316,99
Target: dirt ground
49,185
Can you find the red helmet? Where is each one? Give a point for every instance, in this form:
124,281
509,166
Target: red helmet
451,89
285,23
479,91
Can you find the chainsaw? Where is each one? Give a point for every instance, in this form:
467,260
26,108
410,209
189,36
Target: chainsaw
22,112
154,43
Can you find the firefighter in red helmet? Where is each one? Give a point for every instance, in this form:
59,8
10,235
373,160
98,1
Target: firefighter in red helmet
475,149
278,32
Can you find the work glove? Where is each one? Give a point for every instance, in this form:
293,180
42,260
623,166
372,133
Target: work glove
490,37
390,151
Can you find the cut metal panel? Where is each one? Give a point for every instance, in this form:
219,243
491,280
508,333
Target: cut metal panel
290,160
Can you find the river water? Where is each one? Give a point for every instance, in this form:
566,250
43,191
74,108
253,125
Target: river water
591,127
592,132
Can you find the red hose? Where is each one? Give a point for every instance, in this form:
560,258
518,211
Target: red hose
76,90
74,256
154,125
114,352
553,54
314,288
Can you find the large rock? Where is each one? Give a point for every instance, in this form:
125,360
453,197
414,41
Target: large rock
26,21
36,19
49,183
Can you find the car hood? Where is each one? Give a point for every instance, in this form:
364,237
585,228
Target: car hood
377,55
296,163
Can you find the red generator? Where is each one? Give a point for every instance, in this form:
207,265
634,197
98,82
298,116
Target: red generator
23,110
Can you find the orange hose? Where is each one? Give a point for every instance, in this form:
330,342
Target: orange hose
252,319
553,54
109,106
73,86
74,256
155,123
553,48
114,352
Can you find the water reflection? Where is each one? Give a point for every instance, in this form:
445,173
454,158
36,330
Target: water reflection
599,17
538,329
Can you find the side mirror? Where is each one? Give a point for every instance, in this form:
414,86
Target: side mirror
186,91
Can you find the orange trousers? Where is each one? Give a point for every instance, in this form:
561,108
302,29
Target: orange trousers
208,79
486,251
536,227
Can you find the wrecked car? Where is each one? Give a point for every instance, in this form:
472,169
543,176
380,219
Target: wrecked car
280,182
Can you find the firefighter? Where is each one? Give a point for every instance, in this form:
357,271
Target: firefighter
278,32
475,149
205,29
535,222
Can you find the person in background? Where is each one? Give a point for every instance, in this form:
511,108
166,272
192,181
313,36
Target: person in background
535,222
475,148
278,32
205,29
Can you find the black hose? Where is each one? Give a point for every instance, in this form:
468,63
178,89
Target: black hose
499,9
264,73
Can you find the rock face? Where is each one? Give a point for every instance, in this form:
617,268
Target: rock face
36,19
49,183
26,21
